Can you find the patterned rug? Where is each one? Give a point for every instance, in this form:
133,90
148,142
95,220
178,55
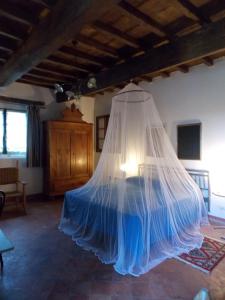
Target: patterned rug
207,257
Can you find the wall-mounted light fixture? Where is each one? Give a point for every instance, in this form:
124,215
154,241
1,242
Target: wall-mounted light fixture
92,83
58,88
74,91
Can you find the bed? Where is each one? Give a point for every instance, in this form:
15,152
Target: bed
83,212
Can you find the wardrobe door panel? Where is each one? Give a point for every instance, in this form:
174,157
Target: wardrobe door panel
60,153
79,154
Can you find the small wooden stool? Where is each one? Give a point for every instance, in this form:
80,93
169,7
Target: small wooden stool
5,245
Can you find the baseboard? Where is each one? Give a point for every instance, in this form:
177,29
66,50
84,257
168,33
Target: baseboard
35,197
42,197
217,218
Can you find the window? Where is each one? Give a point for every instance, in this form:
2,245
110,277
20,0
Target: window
188,141
13,132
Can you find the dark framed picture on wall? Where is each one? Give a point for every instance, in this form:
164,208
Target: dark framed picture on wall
101,127
189,141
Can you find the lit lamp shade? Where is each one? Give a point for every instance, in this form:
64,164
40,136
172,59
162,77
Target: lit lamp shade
130,168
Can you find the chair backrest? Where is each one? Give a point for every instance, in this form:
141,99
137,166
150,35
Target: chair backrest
2,201
201,177
9,175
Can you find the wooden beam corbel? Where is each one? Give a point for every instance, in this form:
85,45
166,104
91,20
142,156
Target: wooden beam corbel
165,74
183,69
208,61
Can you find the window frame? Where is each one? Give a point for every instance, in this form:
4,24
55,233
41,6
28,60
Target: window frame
196,141
105,119
5,153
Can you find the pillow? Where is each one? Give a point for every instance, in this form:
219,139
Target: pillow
136,180
140,181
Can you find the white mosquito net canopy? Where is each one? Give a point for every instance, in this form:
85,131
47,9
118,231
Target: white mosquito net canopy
140,206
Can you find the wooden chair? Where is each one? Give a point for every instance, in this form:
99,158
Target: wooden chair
9,176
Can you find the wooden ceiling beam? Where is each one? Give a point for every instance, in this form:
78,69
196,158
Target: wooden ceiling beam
2,61
69,63
41,42
46,77
156,27
11,31
51,2
213,7
7,43
208,9
4,54
195,11
42,3
35,82
197,45
54,74
56,69
41,78
79,54
98,46
116,33
14,12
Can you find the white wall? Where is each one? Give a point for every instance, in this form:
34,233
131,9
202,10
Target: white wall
184,98
34,176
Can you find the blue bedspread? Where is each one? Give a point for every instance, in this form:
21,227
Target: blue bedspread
102,221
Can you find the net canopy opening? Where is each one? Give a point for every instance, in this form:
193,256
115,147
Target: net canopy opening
140,206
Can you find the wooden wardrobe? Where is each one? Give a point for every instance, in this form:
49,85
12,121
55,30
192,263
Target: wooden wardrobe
68,153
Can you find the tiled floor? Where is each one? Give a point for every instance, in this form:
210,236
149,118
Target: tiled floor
47,265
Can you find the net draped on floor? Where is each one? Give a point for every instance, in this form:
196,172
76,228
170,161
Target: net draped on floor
140,206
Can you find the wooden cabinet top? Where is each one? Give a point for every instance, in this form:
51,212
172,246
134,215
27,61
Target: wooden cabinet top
70,115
